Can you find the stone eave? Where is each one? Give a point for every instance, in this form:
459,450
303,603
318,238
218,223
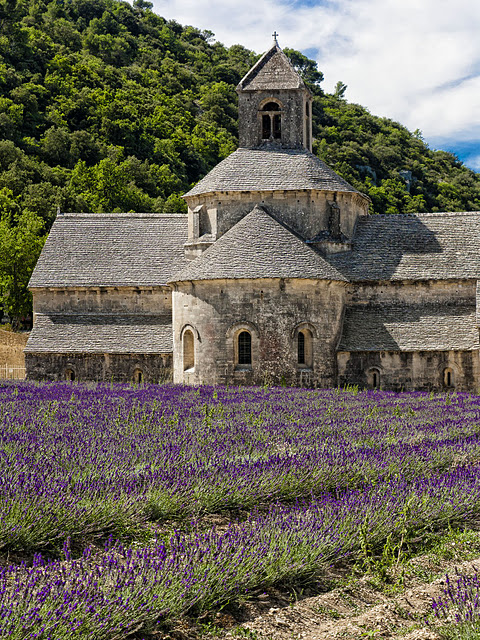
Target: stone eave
175,283
358,194
101,287
99,352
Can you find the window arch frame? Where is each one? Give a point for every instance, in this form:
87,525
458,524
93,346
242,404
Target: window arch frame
188,350
449,377
70,373
270,119
232,336
138,375
310,334
196,341
374,378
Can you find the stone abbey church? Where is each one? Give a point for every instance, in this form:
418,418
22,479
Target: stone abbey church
276,275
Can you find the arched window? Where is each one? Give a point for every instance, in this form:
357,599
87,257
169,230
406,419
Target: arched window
244,348
271,121
69,374
448,378
188,350
138,376
374,378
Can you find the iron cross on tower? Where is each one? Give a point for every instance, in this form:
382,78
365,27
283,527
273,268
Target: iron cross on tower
275,34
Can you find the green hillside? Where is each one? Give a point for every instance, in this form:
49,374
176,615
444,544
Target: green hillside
109,107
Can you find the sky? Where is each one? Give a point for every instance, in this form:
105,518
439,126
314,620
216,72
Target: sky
414,61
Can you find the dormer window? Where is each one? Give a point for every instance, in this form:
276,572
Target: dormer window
271,121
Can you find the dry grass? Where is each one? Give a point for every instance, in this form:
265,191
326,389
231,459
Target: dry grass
11,348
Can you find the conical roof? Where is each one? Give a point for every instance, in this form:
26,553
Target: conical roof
259,247
273,71
267,169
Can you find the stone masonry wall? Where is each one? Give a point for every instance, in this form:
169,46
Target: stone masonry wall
292,114
426,291
411,370
408,371
114,300
306,211
106,367
215,311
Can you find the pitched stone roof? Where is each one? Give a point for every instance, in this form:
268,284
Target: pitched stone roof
273,71
114,249
422,327
100,334
270,169
258,247
423,246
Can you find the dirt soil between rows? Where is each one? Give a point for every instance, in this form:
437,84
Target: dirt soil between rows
359,608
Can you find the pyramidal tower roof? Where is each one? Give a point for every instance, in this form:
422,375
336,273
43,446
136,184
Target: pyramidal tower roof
273,71
259,246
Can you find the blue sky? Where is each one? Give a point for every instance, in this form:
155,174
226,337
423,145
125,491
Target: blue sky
415,61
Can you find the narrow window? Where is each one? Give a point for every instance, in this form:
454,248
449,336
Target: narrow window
188,351
138,376
266,127
304,341
448,377
277,127
244,348
301,347
70,375
374,378
307,125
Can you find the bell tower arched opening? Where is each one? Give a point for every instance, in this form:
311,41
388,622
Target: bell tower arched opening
271,120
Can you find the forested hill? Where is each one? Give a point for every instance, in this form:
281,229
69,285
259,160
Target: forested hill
109,107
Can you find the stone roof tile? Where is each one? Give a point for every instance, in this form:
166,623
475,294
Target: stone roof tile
422,246
258,247
273,71
271,169
117,249
100,334
416,327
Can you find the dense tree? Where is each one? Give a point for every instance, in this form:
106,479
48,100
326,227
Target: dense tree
21,241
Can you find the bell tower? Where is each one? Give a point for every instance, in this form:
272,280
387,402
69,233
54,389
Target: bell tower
274,105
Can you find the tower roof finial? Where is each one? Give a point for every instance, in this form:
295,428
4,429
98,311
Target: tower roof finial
275,34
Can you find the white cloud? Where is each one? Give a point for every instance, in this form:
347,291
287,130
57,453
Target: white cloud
414,61
474,162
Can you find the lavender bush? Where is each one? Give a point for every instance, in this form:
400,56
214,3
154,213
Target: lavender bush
307,469
459,607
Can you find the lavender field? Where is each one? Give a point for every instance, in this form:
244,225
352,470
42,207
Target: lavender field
106,492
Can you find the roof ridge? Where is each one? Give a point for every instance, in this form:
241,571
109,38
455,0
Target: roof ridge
121,215
423,214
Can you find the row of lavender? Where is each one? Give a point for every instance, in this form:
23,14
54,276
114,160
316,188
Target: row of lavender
75,460
122,589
